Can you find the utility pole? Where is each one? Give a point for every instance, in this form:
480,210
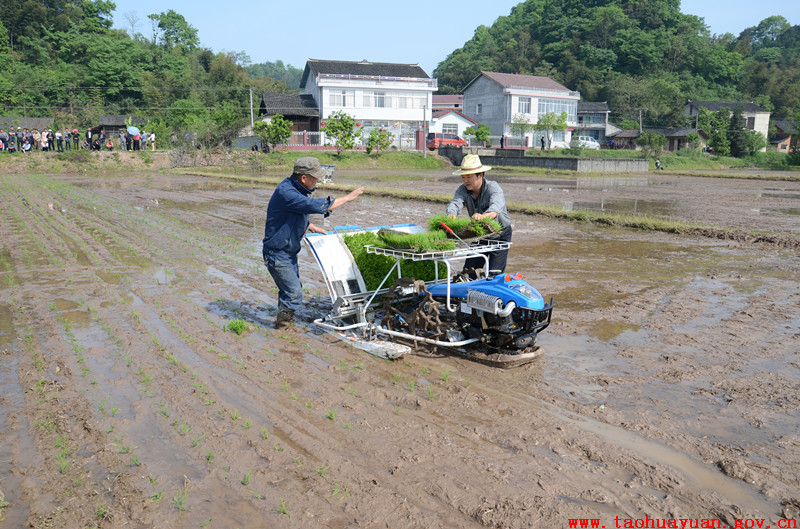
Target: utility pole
640,121
424,128
252,123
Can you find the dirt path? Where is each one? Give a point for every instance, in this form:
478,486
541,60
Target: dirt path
670,387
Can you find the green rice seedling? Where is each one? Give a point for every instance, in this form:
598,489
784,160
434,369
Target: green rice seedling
180,500
283,510
235,415
277,447
209,457
295,397
309,405
257,495
332,415
199,440
156,496
445,376
114,411
321,469
431,392
246,479
163,410
358,366
298,461
126,449
63,463
425,370
247,424
411,386
102,512
61,442
135,461
264,433
236,326
339,490
207,523
396,410
394,379
416,242
346,425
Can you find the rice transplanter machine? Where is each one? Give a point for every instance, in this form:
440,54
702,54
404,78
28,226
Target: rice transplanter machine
494,320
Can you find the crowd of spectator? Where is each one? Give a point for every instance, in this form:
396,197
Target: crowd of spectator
25,140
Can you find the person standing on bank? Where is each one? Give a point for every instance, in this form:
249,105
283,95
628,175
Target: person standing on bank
484,199
287,223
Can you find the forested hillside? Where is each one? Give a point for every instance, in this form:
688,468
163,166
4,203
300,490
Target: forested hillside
62,59
635,54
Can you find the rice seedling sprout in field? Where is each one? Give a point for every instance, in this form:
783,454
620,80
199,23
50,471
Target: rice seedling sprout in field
431,392
246,479
156,496
282,509
236,326
180,499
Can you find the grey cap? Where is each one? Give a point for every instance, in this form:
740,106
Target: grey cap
310,166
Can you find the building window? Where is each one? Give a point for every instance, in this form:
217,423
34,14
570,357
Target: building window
751,123
379,99
402,102
558,106
479,108
524,106
450,128
342,98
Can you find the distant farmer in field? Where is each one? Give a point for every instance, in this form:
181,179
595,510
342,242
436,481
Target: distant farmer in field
484,199
287,222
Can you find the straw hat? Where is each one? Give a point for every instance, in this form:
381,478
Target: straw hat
471,164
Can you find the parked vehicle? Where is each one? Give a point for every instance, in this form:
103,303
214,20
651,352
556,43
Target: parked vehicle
435,139
587,142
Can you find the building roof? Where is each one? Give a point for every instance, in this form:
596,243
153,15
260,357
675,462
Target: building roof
362,68
590,106
438,114
515,80
787,126
289,104
25,123
715,106
448,99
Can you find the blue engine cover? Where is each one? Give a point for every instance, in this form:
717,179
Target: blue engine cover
504,286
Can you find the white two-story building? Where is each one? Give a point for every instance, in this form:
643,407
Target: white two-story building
394,97
500,99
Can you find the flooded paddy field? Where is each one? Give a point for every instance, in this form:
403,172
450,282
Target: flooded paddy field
669,389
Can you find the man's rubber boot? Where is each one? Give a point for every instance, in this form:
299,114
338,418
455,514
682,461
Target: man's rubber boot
284,319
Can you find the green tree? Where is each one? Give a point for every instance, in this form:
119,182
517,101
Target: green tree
737,133
481,133
651,142
274,132
378,140
549,123
693,141
174,30
755,141
718,132
342,129
520,125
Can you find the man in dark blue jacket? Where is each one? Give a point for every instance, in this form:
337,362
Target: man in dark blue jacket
287,223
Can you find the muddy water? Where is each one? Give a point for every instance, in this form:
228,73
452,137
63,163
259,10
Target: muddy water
670,386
